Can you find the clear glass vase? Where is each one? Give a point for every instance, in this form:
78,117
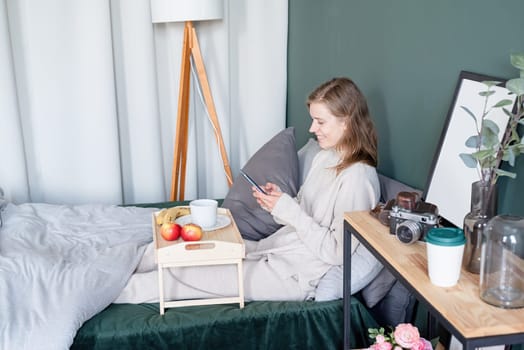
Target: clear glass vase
483,208
502,262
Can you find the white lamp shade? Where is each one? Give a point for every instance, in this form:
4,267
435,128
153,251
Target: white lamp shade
186,10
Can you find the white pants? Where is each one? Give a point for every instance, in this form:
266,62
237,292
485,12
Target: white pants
261,282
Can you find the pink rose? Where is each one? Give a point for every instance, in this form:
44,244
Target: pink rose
420,345
382,346
406,335
380,339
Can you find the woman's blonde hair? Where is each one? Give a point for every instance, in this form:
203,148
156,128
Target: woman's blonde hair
344,100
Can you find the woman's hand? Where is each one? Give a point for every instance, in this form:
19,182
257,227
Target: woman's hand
267,201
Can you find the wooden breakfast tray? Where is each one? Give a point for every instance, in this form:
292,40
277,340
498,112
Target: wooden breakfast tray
217,247
224,243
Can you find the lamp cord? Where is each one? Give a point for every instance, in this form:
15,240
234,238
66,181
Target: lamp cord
195,78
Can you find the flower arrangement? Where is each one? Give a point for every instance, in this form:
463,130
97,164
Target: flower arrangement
404,336
489,152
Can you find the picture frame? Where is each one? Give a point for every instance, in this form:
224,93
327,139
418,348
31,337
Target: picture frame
449,182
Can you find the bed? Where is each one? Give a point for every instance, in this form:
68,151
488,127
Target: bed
62,266
259,325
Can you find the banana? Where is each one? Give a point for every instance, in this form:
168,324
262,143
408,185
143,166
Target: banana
159,217
171,214
183,211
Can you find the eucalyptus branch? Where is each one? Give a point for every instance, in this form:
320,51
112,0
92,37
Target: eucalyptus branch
500,152
489,150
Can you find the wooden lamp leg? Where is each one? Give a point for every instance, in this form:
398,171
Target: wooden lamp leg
180,152
178,177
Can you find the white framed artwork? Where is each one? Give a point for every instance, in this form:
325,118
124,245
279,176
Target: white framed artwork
449,182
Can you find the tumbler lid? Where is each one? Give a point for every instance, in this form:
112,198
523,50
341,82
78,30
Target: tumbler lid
446,236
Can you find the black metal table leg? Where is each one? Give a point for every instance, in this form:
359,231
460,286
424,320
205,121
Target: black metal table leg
347,286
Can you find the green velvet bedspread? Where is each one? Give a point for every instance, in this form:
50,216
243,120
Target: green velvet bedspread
259,325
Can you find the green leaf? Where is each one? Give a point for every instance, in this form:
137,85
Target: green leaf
490,83
491,125
511,156
503,103
466,109
468,160
501,172
488,137
517,60
486,93
516,86
508,113
473,141
485,154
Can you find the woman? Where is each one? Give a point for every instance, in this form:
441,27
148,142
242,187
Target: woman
288,264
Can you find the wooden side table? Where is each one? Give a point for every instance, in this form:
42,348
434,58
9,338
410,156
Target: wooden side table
218,247
459,308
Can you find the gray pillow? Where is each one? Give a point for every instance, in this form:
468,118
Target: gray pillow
390,187
276,162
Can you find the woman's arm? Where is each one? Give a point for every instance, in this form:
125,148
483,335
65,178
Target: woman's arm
358,190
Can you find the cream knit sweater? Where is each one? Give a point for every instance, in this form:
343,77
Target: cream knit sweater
311,240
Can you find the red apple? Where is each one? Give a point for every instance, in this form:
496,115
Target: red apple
170,231
191,232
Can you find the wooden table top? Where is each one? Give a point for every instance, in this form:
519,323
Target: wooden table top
460,305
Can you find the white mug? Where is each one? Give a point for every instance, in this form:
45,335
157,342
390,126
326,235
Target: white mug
204,212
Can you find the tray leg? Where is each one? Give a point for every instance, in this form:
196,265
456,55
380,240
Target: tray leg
240,283
161,287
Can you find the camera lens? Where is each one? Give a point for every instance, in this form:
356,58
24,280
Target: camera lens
408,232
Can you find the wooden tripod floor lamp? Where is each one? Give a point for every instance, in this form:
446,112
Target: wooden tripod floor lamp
163,11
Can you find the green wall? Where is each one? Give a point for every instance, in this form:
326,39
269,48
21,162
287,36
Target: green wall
406,57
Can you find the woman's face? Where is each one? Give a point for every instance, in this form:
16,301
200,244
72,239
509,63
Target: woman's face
327,128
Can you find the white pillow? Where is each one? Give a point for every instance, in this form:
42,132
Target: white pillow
305,157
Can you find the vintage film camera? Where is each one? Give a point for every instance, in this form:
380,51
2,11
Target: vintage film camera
408,217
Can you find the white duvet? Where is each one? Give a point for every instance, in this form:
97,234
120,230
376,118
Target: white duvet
60,265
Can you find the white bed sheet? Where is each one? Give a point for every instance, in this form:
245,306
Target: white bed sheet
61,265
